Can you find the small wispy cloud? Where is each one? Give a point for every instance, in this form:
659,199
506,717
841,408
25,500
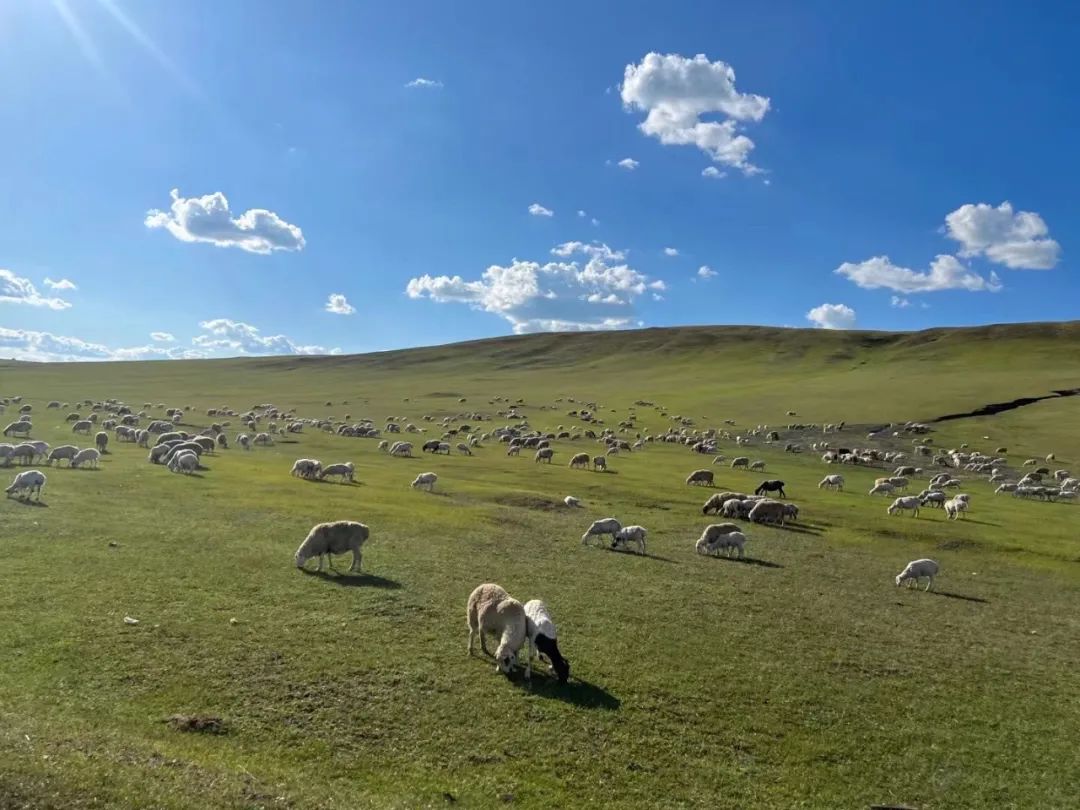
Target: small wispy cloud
537,210
629,164
670,251
713,173
705,272
62,284
162,337
421,82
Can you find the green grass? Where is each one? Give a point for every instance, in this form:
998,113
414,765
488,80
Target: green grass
804,680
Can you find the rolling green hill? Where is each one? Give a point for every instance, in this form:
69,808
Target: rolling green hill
799,678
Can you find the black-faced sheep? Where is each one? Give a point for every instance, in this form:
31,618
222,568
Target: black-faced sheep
543,635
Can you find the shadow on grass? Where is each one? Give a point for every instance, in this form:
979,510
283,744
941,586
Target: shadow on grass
960,596
788,527
27,502
747,561
633,553
576,691
336,483
978,522
355,580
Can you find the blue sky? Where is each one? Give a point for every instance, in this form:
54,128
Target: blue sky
908,165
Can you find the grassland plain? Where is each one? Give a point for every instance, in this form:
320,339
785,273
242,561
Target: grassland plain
801,678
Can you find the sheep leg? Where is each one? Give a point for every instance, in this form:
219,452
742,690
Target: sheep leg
929,582
322,562
528,660
471,634
355,567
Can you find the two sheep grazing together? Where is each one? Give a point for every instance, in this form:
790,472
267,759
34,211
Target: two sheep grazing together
916,569
186,461
720,536
491,609
28,482
327,539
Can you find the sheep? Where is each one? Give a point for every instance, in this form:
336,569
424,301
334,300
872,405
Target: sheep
832,482
464,449
700,477
25,451
954,508
337,537
87,455
898,482
768,511
543,635
935,499
101,440
737,508
599,463
344,471
1004,488
884,488
425,480
630,534
513,450
544,454
601,527
222,440
758,466
186,461
206,442
67,451
309,468
572,502
491,609
915,570
244,441
740,461
401,449
28,481
444,448
732,542
579,460
713,532
771,486
911,503
14,428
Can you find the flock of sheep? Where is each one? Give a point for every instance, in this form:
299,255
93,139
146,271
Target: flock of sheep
490,609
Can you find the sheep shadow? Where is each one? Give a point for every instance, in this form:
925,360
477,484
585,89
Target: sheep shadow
576,691
788,527
361,580
978,522
963,597
748,561
632,553
335,483
28,502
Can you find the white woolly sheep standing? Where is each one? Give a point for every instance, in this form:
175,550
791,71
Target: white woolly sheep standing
28,481
915,570
832,482
628,535
910,503
955,508
425,481
344,471
490,609
337,537
710,538
700,478
186,461
598,528
88,456
68,451
571,501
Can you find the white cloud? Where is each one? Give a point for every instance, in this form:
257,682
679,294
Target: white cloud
946,273
62,284
832,316
705,272
162,337
595,221
1019,241
713,173
339,305
556,296
537,210
581,213
629,164
208,219
670,251
18,290
45,347
899,302
657,297
223,334
675,92
421,82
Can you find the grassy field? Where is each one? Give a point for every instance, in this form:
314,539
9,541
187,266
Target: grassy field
800,678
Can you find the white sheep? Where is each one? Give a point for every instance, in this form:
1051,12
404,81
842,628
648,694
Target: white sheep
345,471
740,461
700,477
601,527
544,454
20,427
915,570
910,503
708,542
630,534
425,481
768,511
491,609
543,636
28,481
88,455
306,468
68,451
758,465
571,501
732,543
579,460
186,461
955,508
599,463
832,482
337,537
244,440
884,488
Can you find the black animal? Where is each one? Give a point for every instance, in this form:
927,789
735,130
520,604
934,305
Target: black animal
771,486
431,446
549,649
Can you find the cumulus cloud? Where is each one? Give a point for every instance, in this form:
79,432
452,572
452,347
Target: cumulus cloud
243,338
676,92
18,290
713,173
628,163
162,337
339,305
537,210
556,296
705,272
832,316
670,251
45,347
1018,240
208,219
581,213
62,284
421,82
946,273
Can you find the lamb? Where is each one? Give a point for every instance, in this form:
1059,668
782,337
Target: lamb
571,501
543,635
601,527
740,461
327,539
87,455
832,482
309,468
579,460
425,480
544,454
768,511
955,508
344,471
491,609
630,534
915,570
706,544
911,503
884,488
28,481
700,477
67,451
186,461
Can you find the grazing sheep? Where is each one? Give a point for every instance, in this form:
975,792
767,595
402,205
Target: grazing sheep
26,452
599,463
345,471
544,454
426,481
910,503
768,511
29,482
16,428
1001,489
491,609
955,508
571,501
731,543
579,460
401,449
327,539
832,482
543,635
706,544
630,534
915,570
464,449
740,461
719,460
186,461
101,441
700,478
309,468
513,450
222,440
771,486
758,466
884,488
601,527
68,451
87,455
